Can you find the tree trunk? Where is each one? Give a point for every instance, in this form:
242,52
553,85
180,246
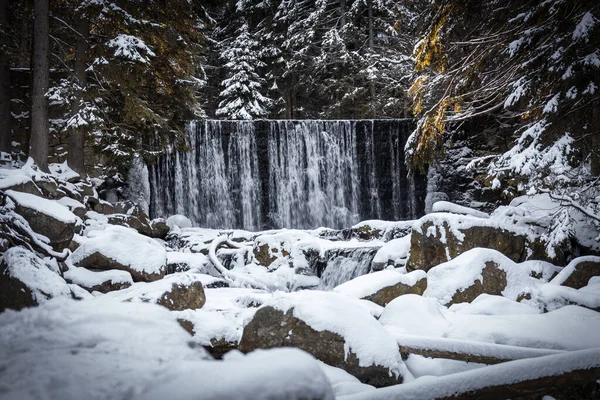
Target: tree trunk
595,156
75,156
40,126
342,13
5,117
372,51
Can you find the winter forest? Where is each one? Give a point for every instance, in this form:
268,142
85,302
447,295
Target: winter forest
299,199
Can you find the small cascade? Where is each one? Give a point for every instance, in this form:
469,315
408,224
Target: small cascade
258,175
343,265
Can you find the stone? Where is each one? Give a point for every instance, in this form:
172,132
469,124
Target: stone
26,280
49,188
112,249
389,293
271,328
131,222
46,217
578,272
159,228
98,281
183,297
264,255
438,238
104,207
494,282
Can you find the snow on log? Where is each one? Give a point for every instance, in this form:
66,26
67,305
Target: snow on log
507,380
466,350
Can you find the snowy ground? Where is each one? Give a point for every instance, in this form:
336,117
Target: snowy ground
123,345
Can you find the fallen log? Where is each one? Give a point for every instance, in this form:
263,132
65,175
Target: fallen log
512,379
464,350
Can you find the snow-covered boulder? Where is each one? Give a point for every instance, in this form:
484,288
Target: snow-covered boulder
384,286
415,315
124,249
446,206
394,253
334,328
27,280
552,297
159,228
98,281
176,292
17,180
440,237
578,273
46,217
478,271
179,221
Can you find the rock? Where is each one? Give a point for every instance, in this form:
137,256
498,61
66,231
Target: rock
493,282
437,238
183,297
46,217
18,181
159,228
74,206
578,273
104,207
112,249
366,232
49,187
264,255
338,332
26,280
180,221
384,286
176,292
130,221
99,281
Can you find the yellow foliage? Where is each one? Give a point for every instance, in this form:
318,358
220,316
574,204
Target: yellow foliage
429,51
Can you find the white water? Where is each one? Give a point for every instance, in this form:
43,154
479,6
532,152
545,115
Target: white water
273,174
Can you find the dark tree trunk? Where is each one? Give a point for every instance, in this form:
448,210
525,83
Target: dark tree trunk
372,50
75,157
40,127
595,161
5,117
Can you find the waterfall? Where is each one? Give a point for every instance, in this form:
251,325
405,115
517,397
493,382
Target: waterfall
343,265
296,174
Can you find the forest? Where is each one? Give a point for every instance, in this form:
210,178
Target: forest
349,199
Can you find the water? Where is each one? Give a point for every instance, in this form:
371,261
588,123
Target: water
296,174
343,265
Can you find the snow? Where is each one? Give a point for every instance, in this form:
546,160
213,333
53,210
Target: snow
333,312
196,262
584,27
420,366
131,48
554,297
446,206
62,171
494,375
395,250
342,382
414,314
486,304
12,177
44,206
86,278
369,284
39,275
263,374
67,349
117,243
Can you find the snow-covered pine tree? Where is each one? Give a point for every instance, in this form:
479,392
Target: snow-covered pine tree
241,97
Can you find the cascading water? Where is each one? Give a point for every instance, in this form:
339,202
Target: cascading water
296,174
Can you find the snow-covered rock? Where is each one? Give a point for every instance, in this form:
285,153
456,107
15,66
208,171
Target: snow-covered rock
578,272
332,327
415,315
121,248
176,292
27,280
384,286
446,206
179,221
46,217
394,253
475,272
98,281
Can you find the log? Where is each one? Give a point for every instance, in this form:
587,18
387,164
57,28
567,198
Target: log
464,350
513,379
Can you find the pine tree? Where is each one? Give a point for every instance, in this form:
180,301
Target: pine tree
241,97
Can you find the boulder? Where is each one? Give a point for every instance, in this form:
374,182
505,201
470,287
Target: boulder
578,272
176,292
331,327
159,228
49,187
113,249
99,281
180,221
440,237
104,207
131,221
74,206
26,280
384,286
19,181
46,217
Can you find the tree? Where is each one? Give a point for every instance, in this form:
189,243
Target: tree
38,146
241,97
5,117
